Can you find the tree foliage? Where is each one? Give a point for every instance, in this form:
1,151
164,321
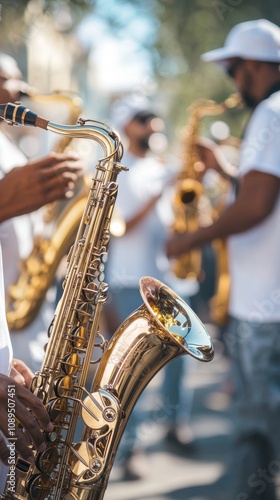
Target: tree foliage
186,29
16,16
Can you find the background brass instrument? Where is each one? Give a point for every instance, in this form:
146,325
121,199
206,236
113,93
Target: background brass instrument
218,304
163,328
60,223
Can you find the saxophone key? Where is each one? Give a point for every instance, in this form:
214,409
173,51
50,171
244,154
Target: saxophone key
90,292
58,410
79,337
104,257
71,364
39,486
47,460
100,408
85,312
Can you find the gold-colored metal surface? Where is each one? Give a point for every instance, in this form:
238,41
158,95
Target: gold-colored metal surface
76,464
61,221
218,304
189,189
160,330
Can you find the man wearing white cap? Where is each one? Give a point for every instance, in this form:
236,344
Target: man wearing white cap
251,224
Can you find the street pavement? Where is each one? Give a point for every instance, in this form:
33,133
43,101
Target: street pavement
170,473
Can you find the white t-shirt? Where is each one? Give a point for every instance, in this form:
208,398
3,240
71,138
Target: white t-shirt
5,343
254,255
16,238
138,252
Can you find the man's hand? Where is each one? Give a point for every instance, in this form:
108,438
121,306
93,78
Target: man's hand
18,402
21,373
25,189
213,157
178,244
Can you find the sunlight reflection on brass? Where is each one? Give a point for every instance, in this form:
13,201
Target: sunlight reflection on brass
178,318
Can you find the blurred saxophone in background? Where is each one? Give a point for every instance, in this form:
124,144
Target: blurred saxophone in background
189,191
164,327
60,224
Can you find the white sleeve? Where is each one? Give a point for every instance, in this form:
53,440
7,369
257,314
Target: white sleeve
5,342
261,146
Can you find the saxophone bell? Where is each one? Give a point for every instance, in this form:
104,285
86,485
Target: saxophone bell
163,328
60,219
176,318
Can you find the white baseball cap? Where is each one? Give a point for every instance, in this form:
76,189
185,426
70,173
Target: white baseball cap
255,40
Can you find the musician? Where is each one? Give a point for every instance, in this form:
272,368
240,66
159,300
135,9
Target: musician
15,379
40,181
24,189
137,252
251,56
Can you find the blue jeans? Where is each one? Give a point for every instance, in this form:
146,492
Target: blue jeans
177,399
255,352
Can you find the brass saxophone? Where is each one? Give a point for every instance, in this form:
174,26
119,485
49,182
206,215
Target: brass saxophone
188,192
61,220
163,328
189,189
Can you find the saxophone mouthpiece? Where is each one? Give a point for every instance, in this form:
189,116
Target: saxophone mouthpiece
26,90
15,114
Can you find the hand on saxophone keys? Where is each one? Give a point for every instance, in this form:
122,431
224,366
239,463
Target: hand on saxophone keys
213,157
27,188
178,244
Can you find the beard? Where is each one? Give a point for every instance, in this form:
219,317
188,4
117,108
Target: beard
143,143
246,92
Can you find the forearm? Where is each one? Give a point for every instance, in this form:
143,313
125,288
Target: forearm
140,215
12,203
232,221
27,188
257,195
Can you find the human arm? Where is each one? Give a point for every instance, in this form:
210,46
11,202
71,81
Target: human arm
213,157
27,188
21,373
140,215
257,195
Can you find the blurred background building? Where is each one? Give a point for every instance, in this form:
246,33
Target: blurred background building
103,49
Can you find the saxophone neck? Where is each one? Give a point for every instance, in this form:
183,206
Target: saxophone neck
109,140
102,133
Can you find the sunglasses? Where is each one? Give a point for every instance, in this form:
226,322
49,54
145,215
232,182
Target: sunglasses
144,117
231,70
